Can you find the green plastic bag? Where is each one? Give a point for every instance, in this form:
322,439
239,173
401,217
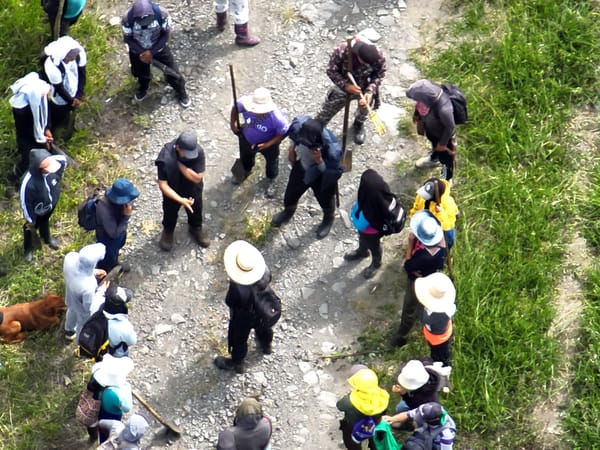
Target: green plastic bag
384,438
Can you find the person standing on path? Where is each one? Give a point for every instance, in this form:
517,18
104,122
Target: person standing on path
248,273
39,195
72,9
65,62
113,212
180,165
251,429
262,127
425,254
146,30
315,155
435,119
241,14
30,110
368,69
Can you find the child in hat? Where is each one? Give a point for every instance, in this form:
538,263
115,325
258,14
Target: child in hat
124,435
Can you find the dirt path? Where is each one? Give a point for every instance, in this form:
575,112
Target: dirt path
179,311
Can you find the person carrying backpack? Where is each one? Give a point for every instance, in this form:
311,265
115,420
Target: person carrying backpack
434,118
146,30
315,155
375,203
436,430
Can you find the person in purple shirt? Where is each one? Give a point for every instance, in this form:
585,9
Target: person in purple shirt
260,126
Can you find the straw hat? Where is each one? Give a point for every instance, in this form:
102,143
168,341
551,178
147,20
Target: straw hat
260,102
244,264
413,375
436,292
112,371
426,228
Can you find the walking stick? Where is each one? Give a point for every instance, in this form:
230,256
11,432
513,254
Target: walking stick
347,154
237,169
58,20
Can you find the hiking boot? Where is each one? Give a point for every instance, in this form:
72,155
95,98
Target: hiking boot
283,217
370,271
200,236
140,94
228,364
398,341
359,133
237,181
166,240
243,38
427,163
325,227
52,242
270,191
221,20
267,349
356,255
184,100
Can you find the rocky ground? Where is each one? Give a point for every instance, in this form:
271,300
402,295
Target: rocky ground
179,311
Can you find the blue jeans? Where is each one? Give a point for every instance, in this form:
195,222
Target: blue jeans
402,406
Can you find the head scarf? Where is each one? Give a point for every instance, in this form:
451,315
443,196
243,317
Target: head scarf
374,197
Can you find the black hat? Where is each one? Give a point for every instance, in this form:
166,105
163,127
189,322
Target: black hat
116,300
188,144
367,52
431,413
311,134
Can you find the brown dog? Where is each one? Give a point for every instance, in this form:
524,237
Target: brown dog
22,317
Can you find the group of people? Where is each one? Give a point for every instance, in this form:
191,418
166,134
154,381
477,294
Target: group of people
43,102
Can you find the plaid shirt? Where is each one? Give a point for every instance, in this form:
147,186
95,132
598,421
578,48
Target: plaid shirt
368,77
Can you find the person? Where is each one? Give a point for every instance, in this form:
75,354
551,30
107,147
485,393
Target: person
425,254
121,333
365,404
72,9
248,273
431,418
434,118
146,30
80,273
113,212
123,435
251,428
39,195
436,293
260,126
240,13
64,67
368,68
375,199
315,155
434,196
180,165
29,104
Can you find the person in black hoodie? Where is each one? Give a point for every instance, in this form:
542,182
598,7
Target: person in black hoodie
251,429
375,201
39,194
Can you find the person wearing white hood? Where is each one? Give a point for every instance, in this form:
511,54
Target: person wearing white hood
65,68
30,110
81,286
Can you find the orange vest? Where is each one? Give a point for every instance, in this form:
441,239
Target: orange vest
438,339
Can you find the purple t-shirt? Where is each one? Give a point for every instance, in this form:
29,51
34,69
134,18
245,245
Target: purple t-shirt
259,128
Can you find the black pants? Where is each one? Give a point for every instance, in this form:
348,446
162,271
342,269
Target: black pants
171,210
143,73
59,116
445,158
25,138
248,157
372,243
65,24
349,443
240,325
442,352
411,309
296,188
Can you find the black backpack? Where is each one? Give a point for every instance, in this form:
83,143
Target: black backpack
93,337
394,219
267,306
422,439
459,102
86,210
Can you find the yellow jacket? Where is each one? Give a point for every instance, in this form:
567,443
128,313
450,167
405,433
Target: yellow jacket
445,212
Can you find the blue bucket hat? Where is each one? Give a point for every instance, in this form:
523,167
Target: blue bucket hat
426,228
122,191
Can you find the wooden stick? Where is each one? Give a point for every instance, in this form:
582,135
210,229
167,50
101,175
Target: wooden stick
348,355
347,155
58,20
172,428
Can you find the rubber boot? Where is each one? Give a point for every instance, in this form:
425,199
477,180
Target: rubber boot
166,240
243,38
221,20
283,217
357,254
228,364
50,240
373,268
27,244
359,132
200,236
325,227
93,434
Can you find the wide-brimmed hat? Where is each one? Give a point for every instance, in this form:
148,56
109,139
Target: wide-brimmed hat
188,144
112,371
426,228
134,429
122,191
260,102
244,264
370,403
413,375
364,379
436,292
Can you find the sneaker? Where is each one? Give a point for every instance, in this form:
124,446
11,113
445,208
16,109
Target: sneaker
185,101
70,336
427,163
359,133
270,191
140,94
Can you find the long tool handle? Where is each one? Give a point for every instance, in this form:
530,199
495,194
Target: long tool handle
158,417
237,113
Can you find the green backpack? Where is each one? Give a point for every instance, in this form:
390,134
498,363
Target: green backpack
383,437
